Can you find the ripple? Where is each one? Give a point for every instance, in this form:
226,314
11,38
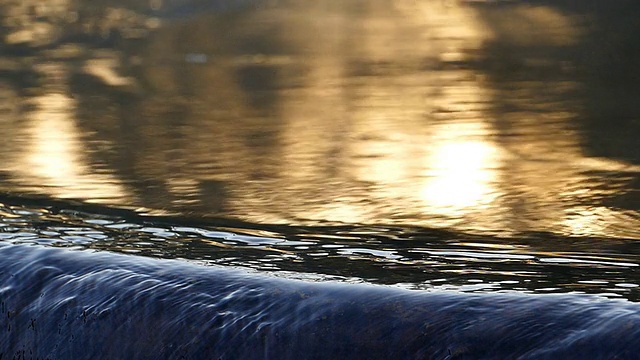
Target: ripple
413,258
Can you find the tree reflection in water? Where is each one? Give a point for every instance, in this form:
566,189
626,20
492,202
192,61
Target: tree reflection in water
477,117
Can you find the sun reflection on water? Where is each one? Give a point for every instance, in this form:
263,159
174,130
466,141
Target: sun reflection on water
462,172
54,156
432,113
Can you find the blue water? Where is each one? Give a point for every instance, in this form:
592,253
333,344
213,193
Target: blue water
80,284
77,304
336,179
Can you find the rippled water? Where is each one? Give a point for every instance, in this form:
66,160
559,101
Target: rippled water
488,119
408,257
65,304
466,146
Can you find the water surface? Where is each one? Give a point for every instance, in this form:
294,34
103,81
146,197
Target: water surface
462,146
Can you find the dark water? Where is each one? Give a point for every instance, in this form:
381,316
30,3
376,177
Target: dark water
482,154
64,304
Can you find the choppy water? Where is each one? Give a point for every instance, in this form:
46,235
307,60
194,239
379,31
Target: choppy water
485,154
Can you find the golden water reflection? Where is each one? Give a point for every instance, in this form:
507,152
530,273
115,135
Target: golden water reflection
431,113
51,156
463,170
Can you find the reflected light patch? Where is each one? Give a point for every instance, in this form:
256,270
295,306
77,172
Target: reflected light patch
588,221
462,174
384,162
54,156
105,70
50,156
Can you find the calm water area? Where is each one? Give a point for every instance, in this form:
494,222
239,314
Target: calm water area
447,146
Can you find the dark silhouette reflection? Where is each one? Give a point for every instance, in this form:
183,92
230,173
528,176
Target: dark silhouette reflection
612,114
485,117
572,85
